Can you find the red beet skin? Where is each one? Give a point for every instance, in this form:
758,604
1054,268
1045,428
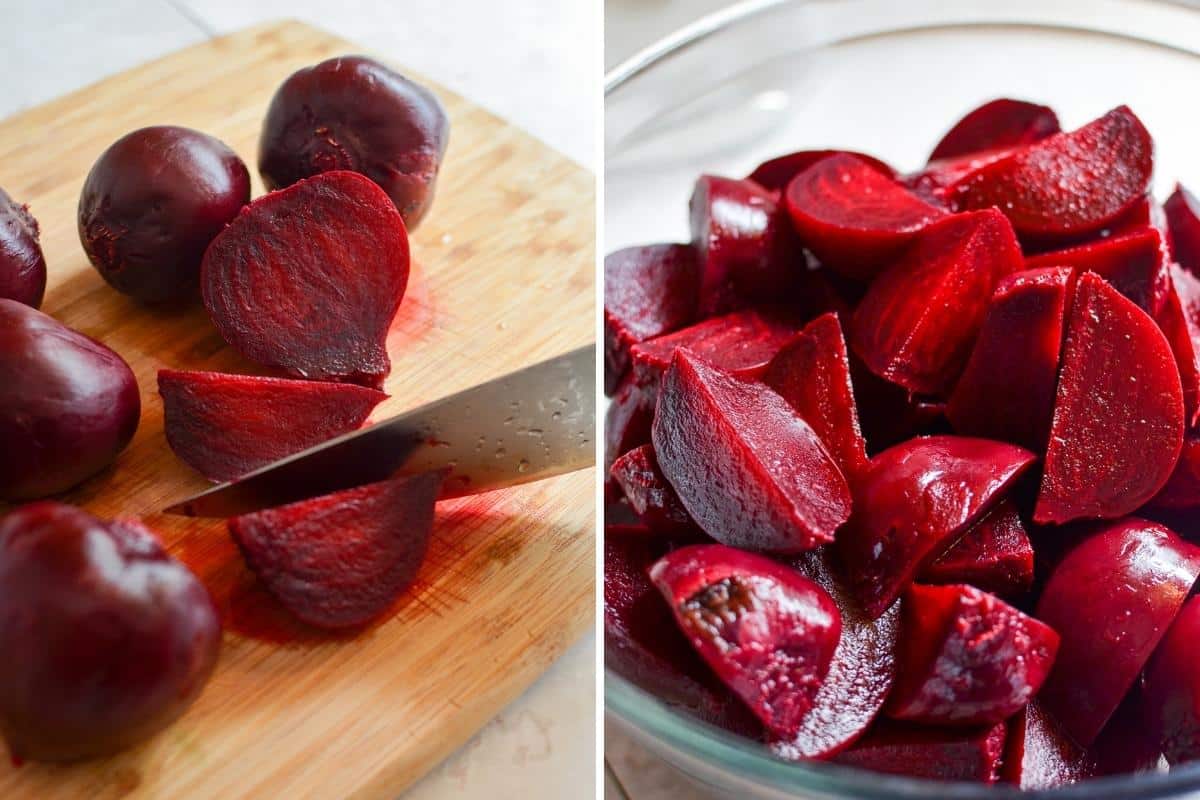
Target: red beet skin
995,555
648,291
1007,390
920,751
749,471
1183,487
226,426
339,561
308,279
1000,123
22,265
915,501
1118,417
776,174
1135,263
1040,756
966,657
812,373
917,323
1070,183
1179,320
766,630
1182,211
852,217
1110,599
1172,689
649,494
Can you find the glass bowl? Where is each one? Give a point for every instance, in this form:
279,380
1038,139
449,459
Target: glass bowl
888,78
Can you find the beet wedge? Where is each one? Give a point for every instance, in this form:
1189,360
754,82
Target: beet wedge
626,422
1183,487
1182,211
307,279
999,123
921,751
1179,320
1118,416
776,174
1135,263
765,629
227,426
339,561
1039,755
995,555
749,471
649,494
1172,691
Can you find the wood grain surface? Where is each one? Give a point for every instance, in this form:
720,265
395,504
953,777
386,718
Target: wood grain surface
503,276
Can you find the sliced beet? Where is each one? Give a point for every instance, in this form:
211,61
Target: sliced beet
921,751
812,373
626,426
852,217
649,494
776,174
917,323
1183,487
1135,263
765,629
1127,744
307,279
887,413
1118,416
22,264
1182,210
1007,390
1172,689
999,123
1111,599
995,555
340,560
936,182
914,501
750,472
966,657
1179,320
226,426
1069,183
648,291
1039,755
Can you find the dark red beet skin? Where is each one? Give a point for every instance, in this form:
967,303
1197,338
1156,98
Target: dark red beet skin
776,174
921,751
1134,262
995,555
151,205
749,471
22,264
353,113
68,404
226,426
308,279
649,494
1182,211
766,630
1111,599
107,639
1172,690
1000,123
1040,756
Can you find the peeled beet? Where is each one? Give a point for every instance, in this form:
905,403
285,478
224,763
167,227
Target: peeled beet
649,494
1111,599
1040,756
626,422
749,471
648,291
917,323
1183,487
914,502
1135,263
353,113
1172,689
767,631
1000,123
887,413
1182,210
1118,417
340,560
776,174
1006,391
308,279
937,180
226,426
106,638
22,265
1179,320
68,404
852,217
920,751
995,555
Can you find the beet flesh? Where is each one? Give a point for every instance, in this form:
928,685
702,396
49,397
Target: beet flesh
999,123
649,494
774,175
626,426
1182,211
22,264
995,555
1179,321
1183,487
1135,263
1039,755
1172,689
922,751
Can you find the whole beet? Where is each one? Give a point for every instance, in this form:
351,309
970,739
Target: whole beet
152,203
355,114
68,404
22,265
106,638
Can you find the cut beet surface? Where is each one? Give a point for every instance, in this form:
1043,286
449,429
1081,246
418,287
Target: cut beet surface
649,494
887,413
1172,690
1040,756
765,629
648,291
627,422
936,181
1111,599
921,751
339,561
1182,210
917,323
1179,320
1118,417
995,555
914,502
1007,390
776,174
749,471
307,279
852,217
1135,263
999,123
1183,487
226,426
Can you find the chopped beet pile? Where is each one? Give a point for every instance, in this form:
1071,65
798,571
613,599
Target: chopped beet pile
913,458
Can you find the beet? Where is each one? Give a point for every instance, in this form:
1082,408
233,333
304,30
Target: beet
648,291
776,174
1128,744
626,422
887,413
1000,123
1182,211
107,639
151,205
1118,417
1006,391
936,182
1172,690
919,751
1183,487
1111,599
995,555
649,494
308,279
226,426
917,323
1179,321
852,217
340,560
22,264
768,632
748,470
915,501
353,113
1039,755
1135,263
68,404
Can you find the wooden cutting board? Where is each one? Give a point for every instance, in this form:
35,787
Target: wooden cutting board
503,277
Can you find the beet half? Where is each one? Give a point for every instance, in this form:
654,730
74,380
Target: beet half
999,123
22,264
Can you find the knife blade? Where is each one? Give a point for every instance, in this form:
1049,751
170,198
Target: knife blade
531,424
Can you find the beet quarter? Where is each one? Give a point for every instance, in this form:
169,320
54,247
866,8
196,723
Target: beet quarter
1179,320
1135,263
22,264
1039,755
995,555
1182,210
921,751
1172,691
776,174
649,494
1000,123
